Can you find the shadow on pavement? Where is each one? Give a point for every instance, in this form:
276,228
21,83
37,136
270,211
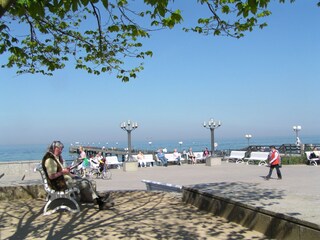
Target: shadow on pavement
249,193
137,215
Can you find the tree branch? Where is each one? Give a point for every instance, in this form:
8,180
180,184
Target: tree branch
98,17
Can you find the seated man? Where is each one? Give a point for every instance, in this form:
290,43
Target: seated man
60,178
162,158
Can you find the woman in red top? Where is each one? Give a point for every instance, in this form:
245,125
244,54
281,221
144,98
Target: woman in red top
274,162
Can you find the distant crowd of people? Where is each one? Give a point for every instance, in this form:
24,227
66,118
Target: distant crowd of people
190,155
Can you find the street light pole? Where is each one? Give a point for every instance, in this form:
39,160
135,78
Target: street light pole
180,143
248,136
296,129
129,127
150,145
212,125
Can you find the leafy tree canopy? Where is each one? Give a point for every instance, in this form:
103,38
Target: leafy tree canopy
100,35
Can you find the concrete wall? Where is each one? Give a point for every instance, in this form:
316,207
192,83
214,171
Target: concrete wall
18,168
10,193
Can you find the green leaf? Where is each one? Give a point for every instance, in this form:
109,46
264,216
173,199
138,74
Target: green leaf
74,5
217,32
114,28
85,2
125,79
226,9
122,3
105,3
253,6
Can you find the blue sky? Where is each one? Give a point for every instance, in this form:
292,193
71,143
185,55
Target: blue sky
262,84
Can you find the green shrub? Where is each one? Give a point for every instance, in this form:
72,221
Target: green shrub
291,160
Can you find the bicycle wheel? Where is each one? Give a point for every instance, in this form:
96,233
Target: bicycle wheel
82,173
107,174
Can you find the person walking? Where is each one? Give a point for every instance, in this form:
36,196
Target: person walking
274,162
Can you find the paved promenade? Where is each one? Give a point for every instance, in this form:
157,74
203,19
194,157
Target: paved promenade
296,195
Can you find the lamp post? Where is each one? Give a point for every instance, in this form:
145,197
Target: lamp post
150,145
180,143
129,127
296,129
248,136
212,125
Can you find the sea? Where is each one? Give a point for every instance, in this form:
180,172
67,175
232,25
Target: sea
27,152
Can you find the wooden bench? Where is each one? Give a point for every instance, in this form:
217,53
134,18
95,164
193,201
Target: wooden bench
60,200
113,161
312,161
172,159
199,157
260,157
236,156
148,159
